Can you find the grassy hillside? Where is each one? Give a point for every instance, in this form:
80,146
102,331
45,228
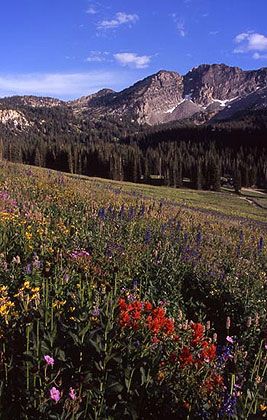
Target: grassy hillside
129,301
221,204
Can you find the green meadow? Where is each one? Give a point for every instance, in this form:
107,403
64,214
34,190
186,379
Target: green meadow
122,300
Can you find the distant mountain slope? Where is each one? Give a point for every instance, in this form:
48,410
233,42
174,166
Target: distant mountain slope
206,93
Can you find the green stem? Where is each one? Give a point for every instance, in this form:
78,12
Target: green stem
46,302
27,350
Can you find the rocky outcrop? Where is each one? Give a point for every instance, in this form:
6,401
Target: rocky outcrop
14,118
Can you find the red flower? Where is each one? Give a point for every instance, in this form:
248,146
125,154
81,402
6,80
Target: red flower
159,313
168,326
172,357
197,334
209,352
148,307
135,325
136,314
122,304
137,305
124,319
186,357
214,382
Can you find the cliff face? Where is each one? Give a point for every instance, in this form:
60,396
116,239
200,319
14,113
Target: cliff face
168,96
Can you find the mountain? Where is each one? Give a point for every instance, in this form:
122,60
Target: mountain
208,93
167,96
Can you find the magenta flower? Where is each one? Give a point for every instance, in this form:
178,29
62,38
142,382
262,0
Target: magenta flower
230,339
54,394
72,394
49,360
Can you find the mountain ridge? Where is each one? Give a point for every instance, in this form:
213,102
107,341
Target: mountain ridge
209,92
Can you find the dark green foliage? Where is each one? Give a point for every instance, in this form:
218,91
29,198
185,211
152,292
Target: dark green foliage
120,149
237,181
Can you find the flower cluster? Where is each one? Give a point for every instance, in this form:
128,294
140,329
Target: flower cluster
5,303
135,314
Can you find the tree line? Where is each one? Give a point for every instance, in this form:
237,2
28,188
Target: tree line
204,157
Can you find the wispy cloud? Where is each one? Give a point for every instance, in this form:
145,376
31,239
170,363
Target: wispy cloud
258,56
179,24
251,41
91,11
62,85
98,57
133,60
120,18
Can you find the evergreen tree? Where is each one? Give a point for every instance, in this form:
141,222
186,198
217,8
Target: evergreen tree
237,181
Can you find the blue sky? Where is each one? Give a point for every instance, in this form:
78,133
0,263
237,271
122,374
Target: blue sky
70,48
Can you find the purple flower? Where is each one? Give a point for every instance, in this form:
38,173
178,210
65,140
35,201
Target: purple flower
72,394
49,360
198,238
230,339
28,269
66,278
96,312
121,211
54,394
101,213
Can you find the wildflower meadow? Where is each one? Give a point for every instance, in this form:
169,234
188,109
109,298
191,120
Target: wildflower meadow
118,305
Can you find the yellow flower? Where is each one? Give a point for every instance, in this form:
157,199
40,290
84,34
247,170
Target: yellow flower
28,235
26,284
263,407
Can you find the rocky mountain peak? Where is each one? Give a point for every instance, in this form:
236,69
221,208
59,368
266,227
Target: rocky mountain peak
205,92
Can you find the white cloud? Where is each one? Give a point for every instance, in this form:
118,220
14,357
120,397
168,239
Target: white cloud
97,57
62,85
258,56
179,24
257,42
241,37
120,18
250,41
133,60
213,32
91,11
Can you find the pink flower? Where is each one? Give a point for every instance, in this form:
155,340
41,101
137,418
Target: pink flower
54,394
72,394
230,339
49,360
